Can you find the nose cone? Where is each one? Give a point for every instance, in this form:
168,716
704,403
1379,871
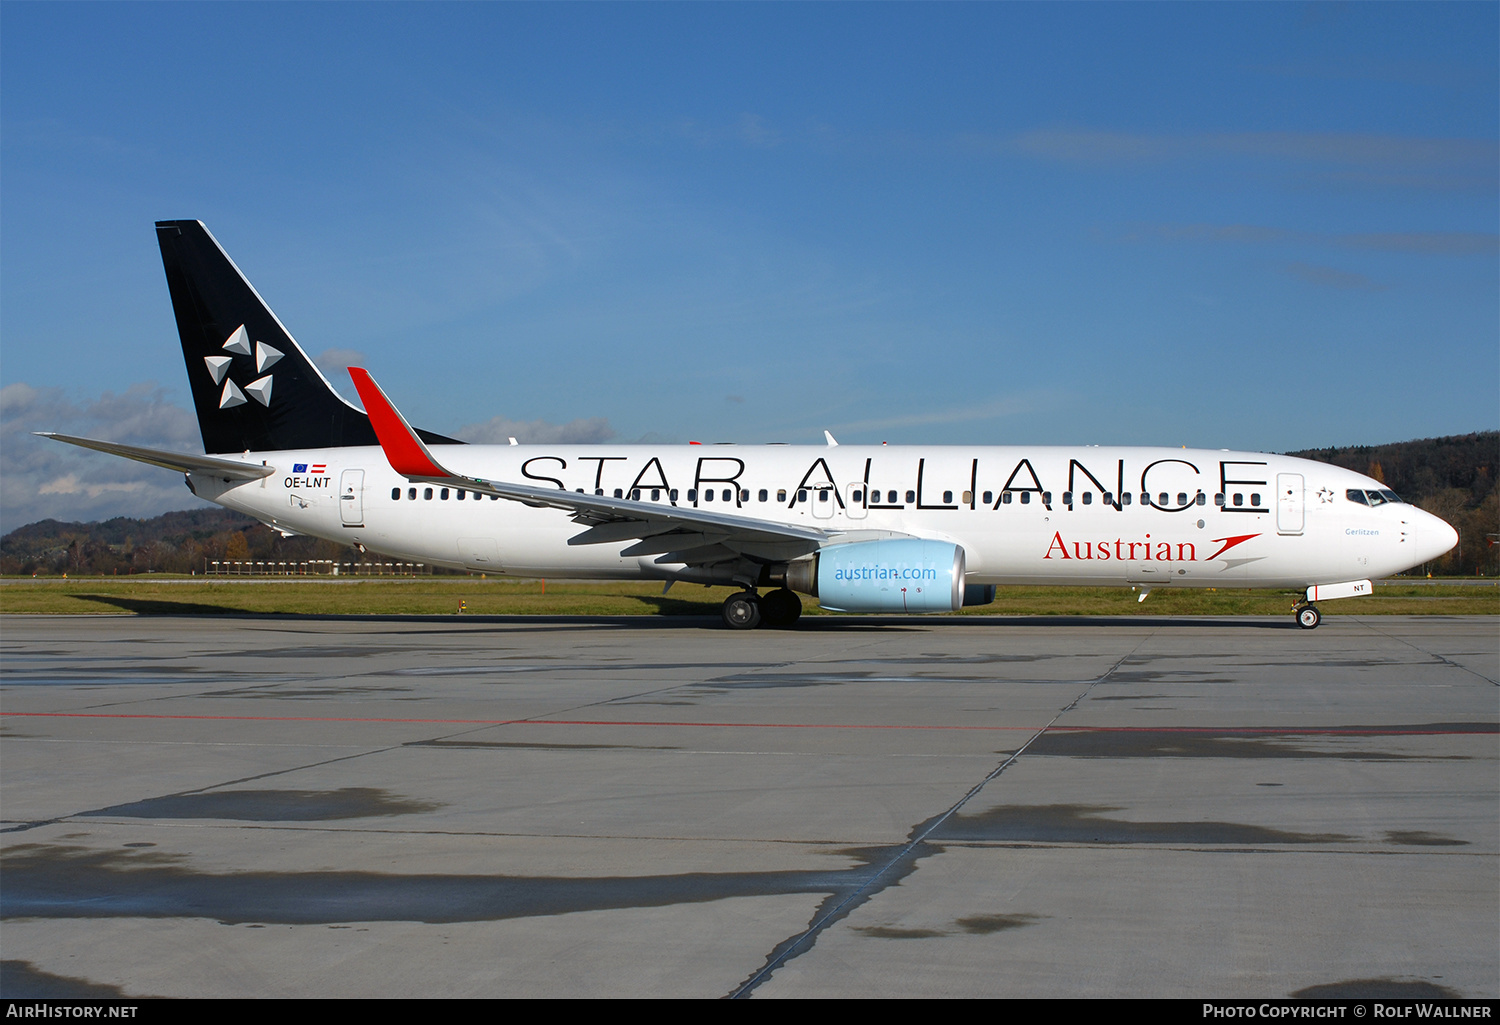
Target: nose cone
1434,537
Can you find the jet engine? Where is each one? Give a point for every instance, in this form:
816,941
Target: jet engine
892,575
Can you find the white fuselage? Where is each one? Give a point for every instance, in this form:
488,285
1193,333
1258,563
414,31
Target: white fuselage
1023,515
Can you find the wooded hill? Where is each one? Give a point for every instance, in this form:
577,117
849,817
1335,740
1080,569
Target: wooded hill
1452,477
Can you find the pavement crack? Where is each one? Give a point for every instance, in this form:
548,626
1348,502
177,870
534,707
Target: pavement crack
900,861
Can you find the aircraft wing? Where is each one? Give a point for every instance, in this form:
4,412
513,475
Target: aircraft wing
661,529
183,462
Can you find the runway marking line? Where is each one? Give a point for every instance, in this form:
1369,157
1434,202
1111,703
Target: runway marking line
1315,730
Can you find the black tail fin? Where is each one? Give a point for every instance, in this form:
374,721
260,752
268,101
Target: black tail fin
254,388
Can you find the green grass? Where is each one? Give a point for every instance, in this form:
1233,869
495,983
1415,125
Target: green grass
443,595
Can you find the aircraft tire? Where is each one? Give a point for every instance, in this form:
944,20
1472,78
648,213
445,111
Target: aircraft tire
741,611
780,608
1308,617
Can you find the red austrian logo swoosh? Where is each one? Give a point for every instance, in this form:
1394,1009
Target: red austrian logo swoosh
1229,542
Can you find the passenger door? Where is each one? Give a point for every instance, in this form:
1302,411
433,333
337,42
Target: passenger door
1289,503
352,498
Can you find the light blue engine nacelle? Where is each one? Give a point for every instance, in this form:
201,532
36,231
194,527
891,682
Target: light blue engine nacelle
897,575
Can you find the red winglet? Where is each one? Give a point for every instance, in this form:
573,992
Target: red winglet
405,451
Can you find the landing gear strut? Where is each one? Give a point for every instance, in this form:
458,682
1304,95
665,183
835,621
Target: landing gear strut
1308,616
741,611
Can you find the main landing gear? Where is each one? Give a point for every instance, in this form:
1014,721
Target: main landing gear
1308,616
746,610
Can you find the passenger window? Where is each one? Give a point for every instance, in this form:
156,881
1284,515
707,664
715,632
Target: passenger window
968,498
891,498
672,495
1202,499
460,495
656,494
764,495
744,496
619,493
708,494
1046,498
1088,498
427,494
781,494
947,498
1239,499
1026,498
1219,500
635,494
411,494
494,498
858,496
1067,498
395,494
989,498
599,491
1005,498
692,494
822,494
911,496
728,495
1162,498
1125,498
1255,500
443,495
1182,498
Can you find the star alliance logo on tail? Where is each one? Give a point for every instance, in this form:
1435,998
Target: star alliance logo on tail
259,389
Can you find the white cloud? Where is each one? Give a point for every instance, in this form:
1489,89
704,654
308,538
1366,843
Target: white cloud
498,430
42,479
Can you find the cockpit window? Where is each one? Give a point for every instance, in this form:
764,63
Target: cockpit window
1375,497
1390,496
1356,495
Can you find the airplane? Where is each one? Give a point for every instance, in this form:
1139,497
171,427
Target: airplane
874,529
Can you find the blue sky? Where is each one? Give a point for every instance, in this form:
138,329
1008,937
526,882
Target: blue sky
1265,226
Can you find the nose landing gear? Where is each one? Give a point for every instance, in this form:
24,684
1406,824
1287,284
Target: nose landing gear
1307,615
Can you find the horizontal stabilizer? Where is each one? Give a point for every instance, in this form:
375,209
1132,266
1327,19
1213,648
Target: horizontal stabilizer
183,462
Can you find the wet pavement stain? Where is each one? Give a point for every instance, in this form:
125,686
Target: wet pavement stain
271,806
55,881
1268,742
22,980
1377,989
115,675
568,667
309,693
975,925
983,925
1422,838
764,681
1083,823
480,745
1120,676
